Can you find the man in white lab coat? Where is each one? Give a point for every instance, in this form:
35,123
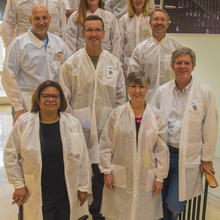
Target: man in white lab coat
93,83
153,55
32,58
189,109
17,13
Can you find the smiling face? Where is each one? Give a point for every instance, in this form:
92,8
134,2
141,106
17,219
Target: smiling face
138,4
92,3
93,34
137,92
183,68
40,21
49,100
159,23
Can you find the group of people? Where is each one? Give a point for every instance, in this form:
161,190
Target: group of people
117,96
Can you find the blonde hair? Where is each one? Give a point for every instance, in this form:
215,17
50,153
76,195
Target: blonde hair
131,9
83,7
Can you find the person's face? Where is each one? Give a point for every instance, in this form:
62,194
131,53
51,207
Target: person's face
93,33
183,68
138,4
159,23
137,92
40,21
92,3
49,100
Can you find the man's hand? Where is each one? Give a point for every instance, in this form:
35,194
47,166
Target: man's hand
157,187
17,115
20,196
208,167
82,197
109,181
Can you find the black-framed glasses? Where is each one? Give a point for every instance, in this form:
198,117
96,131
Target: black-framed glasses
47,96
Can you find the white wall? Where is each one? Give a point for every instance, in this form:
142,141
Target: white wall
207,70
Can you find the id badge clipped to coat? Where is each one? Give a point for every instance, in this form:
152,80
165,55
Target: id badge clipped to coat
109,72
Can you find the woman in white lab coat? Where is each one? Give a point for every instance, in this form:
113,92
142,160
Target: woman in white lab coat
134,157
134,26
73,34
46,159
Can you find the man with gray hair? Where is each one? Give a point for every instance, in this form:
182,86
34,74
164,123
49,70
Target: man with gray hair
189,109
153,55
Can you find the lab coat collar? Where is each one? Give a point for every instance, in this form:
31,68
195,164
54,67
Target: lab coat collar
185,90
39,43
162,41
96,12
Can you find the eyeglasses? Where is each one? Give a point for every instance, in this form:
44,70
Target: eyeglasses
47,96
93,30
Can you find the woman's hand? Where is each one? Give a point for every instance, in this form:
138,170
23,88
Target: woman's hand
20,196
82,197
109,181
157,187
208,167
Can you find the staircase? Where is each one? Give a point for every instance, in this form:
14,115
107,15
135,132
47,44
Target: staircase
193,16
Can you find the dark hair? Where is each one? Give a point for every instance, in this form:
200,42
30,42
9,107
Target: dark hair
36,96
138,78
93,18
161,10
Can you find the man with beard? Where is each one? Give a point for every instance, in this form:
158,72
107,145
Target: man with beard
153,55
93,83
32,58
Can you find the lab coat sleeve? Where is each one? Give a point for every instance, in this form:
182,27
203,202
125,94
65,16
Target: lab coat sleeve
70,35
161,152
106,146
120,88
84,164
135,61
10,75
66,83
209,129
155,100
9,23
12,158
115,38
62,19
122,39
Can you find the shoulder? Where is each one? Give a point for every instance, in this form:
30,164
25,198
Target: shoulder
172,41
111,57
25,119
202,90
70,121
144,45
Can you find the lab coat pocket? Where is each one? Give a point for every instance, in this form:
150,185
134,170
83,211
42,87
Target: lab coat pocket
193,154
150,180
84,116
119,176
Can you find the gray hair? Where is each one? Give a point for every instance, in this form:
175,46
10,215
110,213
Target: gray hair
183,51
161,10
139,78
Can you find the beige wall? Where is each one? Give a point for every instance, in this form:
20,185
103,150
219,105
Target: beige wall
207,70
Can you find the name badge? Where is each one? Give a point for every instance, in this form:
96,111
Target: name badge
194,106
109,72
58,57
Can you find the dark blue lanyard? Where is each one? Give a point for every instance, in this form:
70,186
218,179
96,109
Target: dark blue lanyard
47,40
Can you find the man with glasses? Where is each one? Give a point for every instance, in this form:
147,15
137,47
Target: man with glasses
153,55
32,58
93,83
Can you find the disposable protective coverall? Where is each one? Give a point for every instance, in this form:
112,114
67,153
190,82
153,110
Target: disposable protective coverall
135,166
28,64
198,133
23,163
17,13
133,31
111,41
117,7
92,93
153,58
71,4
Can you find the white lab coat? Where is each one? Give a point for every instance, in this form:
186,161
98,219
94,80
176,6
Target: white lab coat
92,93
133,31
134,166
111,41
28,64
153,58
71,4
17,13
23,163
198,134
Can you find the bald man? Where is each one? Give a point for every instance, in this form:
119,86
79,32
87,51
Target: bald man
32,58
